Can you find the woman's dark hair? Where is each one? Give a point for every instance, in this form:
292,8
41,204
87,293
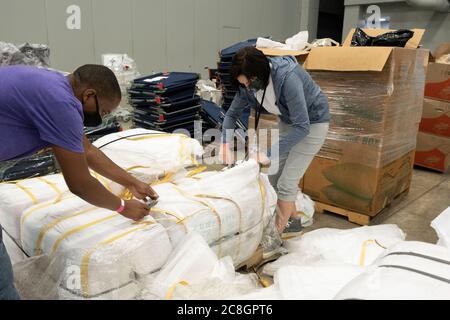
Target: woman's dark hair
251,63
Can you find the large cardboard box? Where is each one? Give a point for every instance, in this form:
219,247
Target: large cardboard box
376,97
436,117
356,186
438,76
433,152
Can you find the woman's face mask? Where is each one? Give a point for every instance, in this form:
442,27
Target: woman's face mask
256,84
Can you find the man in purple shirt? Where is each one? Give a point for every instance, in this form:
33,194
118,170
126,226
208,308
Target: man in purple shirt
44,109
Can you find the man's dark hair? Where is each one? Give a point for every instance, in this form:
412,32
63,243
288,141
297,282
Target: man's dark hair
100,78
250,62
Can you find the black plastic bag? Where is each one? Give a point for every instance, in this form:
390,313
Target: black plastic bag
397,38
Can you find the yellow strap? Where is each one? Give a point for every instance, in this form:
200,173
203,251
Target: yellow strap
169,213
37,208
362,258
137,167
28,192
157,136
262,189
84,272
172,288
80,228
50,226
102,180
52,185
196,171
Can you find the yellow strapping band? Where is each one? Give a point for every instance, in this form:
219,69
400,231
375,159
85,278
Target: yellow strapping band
164,135
172,288
84,272
75,230
196,171
362,258
50,226
28,192
52,185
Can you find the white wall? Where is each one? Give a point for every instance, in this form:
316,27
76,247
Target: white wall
159,34
403,16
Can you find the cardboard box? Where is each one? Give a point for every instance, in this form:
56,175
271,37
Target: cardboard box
433,152
355,186
436,117
438,76
376,97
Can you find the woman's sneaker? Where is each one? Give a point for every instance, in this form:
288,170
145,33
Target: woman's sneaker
293,229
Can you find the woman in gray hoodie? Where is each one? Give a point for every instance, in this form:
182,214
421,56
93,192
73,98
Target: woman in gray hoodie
282,87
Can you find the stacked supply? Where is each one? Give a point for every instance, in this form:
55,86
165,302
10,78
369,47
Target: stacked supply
213,117
433,141
375,96
166,101
225,77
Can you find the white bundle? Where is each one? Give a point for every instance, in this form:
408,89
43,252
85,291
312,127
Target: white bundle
15,197
228,209
318,282
442,226
105,248
407,271
359,246
150,154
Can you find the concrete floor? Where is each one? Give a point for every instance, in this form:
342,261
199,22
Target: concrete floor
428,197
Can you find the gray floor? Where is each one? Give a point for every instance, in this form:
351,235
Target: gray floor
428,197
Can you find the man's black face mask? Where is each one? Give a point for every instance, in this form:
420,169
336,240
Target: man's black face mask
93,119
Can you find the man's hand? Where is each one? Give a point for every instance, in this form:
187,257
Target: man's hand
142,190
135,210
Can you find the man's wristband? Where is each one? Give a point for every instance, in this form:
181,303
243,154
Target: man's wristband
122,206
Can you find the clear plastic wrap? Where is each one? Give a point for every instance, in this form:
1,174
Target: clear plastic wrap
27,54
92,253
374,115
37,165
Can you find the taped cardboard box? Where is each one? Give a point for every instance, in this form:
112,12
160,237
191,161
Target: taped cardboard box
433,152
355,186
436,117
438,76
376,99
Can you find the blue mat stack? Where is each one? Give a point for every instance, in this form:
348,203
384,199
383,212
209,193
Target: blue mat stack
165,101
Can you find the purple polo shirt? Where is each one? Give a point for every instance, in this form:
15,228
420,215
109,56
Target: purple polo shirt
37,109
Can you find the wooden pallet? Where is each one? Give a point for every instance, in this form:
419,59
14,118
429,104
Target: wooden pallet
253,261
357,217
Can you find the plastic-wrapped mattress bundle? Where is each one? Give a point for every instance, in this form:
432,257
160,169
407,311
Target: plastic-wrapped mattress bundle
407,271
17,196
103,250
229,209
150,154
359,247
146,154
